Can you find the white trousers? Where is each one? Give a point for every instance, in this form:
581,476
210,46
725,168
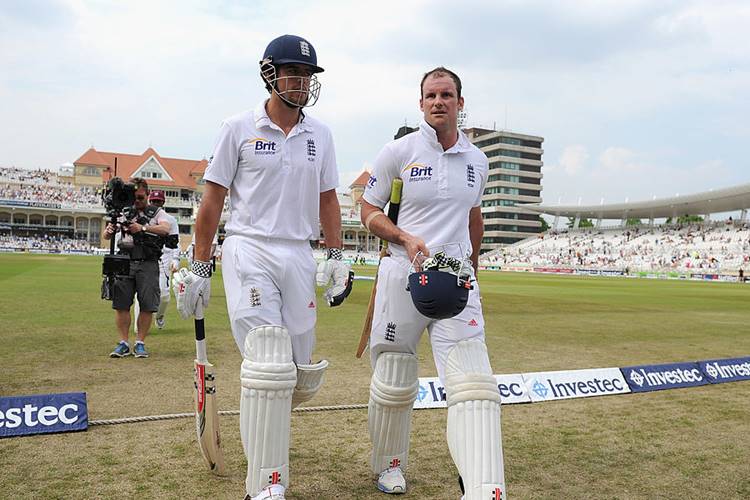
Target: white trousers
397,326
271,282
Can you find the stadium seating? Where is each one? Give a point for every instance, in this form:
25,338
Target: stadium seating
714,247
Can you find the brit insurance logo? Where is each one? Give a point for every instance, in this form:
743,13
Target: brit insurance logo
417,172
371,182
263,146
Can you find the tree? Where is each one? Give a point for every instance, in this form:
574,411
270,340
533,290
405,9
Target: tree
687,219
545,226
582,223
633,222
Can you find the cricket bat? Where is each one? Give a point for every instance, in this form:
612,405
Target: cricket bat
206,409
393,207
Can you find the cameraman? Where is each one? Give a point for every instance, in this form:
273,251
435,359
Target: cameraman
168,263
141,236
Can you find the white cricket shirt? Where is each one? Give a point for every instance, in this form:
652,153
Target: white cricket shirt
274,180
440,187
169,254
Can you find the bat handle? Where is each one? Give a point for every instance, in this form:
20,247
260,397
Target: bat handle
200,330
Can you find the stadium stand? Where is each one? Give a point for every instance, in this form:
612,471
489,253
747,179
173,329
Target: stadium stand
716,247
44,244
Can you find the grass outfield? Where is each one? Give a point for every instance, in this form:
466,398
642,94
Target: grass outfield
689,443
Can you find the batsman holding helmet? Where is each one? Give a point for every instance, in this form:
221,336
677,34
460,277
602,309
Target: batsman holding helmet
279,167
434,252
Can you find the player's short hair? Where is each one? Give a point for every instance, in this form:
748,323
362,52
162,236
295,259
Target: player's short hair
139,183
441,71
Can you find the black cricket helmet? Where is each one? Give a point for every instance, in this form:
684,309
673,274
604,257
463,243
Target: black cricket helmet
438,294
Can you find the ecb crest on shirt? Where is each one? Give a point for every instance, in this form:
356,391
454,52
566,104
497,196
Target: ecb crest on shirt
470,177
311,150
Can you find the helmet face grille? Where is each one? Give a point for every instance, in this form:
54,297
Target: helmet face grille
308,87
437,294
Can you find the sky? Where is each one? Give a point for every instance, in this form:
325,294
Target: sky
635,99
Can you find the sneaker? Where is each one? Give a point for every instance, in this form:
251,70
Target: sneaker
139,351
272,492
160,322
122,350
392,481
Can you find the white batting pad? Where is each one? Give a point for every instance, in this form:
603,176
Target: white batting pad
474,436
268,376
163,303
393,390
309,382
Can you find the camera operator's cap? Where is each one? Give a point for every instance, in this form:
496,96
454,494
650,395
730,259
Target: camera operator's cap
157,195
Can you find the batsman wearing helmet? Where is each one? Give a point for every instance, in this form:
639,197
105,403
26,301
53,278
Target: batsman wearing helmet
428,282
279,167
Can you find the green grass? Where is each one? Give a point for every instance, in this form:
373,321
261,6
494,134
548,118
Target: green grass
690,443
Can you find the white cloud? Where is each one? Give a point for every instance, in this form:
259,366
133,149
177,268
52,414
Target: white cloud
664,81
619,159
573,159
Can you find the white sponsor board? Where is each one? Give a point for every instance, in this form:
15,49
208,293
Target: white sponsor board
432,392
549,386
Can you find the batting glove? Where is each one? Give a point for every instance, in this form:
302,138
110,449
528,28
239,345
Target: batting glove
338,274
193,287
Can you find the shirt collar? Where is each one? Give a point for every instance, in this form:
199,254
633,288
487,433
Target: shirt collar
428,133
262,119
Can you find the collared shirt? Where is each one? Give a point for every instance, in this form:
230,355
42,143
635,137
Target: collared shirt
440,187
274,180
170,254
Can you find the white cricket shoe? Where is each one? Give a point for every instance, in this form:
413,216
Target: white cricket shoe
160,322
392,481
272,492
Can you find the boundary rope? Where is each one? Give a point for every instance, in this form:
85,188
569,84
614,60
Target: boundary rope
172,416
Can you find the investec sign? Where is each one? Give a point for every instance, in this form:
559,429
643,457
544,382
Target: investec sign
21,415
432,392
548,386
647,378
726,370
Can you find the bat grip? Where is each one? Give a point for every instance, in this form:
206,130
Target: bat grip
200,330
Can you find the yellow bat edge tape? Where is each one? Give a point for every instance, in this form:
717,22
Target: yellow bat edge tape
396,186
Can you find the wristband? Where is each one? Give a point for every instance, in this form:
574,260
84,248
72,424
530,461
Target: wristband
335,254
202,269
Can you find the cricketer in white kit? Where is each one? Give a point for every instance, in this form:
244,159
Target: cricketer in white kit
444,176
279,167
